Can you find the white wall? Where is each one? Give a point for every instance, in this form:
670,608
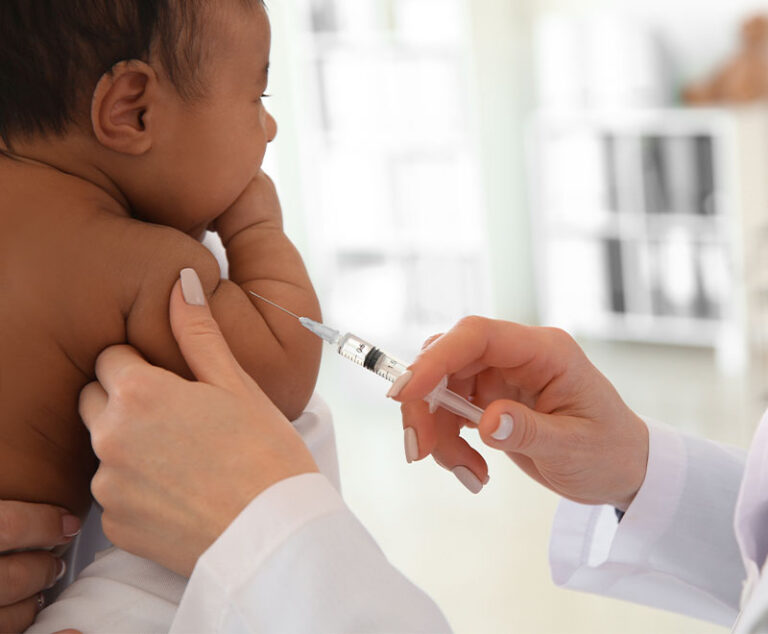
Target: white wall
699,34
501,31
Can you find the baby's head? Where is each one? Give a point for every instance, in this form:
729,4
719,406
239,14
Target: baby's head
161,98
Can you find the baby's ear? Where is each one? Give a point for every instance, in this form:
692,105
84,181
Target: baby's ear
122,105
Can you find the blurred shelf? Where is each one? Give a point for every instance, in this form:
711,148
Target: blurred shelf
660,121
655,329
604,224
606,243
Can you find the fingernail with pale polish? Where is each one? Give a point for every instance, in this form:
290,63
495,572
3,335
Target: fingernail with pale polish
59,574
411,445
70,526
191,288
468,479
504,430
399,384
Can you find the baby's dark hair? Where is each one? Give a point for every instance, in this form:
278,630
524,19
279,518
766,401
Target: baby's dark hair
53,52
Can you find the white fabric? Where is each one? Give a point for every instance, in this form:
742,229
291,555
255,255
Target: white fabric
295,560
330,577
676,547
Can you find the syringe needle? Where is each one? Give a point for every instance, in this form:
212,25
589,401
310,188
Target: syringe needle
285,310
331,335
362,352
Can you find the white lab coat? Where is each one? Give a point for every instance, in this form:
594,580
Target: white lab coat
694,540
295,560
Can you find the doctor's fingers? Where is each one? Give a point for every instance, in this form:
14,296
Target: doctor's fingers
457,456
424,430
430,340
476,343
132,385
200,338
121,369
420,434
514,428
92,404
438,434
492,385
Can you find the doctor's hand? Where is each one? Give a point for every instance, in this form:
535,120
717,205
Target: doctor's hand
546,406
181,459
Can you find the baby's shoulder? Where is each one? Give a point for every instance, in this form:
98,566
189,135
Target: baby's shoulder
144,257
55,222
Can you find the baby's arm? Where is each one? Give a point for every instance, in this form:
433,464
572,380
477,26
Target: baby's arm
271,346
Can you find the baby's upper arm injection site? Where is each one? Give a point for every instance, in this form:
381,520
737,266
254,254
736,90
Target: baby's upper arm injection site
254,344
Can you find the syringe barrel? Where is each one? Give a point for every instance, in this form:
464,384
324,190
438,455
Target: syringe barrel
376,360
370,357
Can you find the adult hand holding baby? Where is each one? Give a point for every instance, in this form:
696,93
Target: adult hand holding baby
170,488
546,406
32,529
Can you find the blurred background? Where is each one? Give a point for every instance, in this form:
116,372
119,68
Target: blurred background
598,165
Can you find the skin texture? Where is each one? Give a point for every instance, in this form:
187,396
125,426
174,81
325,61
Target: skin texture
153,429
98,223
572,432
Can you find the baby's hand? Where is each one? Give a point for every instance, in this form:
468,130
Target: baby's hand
257,205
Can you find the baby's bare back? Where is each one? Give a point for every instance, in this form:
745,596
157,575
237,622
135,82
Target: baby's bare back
79,274
66,278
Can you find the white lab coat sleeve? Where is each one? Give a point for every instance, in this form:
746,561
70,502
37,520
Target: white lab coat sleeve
297,560
675,548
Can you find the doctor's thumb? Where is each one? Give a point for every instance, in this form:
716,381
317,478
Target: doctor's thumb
199,337
513,427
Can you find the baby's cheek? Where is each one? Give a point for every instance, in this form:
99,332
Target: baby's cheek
225,178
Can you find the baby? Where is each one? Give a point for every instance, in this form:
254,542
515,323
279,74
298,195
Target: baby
127,128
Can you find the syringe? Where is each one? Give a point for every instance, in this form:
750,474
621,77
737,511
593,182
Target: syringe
379,362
